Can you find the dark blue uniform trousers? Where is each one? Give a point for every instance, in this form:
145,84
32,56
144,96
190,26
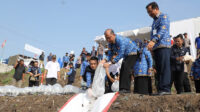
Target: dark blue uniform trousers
162,61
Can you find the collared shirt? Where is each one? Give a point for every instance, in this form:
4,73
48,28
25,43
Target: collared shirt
187,42
100,50
83,67
19,71
177,52
93,53
49,58
197,41
160,31
66,59
89,79
144,63
35,71
123,46
195,70
53,69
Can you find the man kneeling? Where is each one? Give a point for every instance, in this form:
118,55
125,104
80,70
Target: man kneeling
90,70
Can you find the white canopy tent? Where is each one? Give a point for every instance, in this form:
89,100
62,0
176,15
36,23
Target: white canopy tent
191,26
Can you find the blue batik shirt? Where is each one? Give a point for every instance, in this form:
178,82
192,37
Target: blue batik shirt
195,70
123,46
160,32
143,63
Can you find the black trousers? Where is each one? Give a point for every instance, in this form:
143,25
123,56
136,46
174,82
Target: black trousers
177,78
197,85
143,85
186,83
33,83
126,72
51,81
65,64
162,63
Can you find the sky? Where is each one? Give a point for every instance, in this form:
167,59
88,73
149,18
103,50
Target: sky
60,26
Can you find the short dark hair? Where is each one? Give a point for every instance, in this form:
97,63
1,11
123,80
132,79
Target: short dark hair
88,54
21,60
35,61
185,34
179,36
71,64
153,5
94,58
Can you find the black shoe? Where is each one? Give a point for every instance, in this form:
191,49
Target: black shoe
164,93
124,91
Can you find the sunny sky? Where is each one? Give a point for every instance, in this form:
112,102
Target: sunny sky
59,26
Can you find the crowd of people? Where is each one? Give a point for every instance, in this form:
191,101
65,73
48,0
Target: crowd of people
128,60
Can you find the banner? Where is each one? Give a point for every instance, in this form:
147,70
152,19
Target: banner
33,49
3,44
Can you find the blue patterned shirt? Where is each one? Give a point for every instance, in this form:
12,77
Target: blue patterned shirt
144,63
195,70
160,32
123,46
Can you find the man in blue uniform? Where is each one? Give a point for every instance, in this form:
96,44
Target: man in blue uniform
160,44
126,49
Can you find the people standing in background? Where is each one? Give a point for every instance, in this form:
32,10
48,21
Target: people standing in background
65,60
177,63
160,44
83,67
143,72
41,58
83,54
195,74
100,51
197,45
20,70
78,62
145,42
93,52
187,42
34,73
71,57
49,58
71,74
52,71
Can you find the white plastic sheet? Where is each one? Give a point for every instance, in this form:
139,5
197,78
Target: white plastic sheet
98,85
81,103
42,89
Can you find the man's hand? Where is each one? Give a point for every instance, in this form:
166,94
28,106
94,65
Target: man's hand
103,61
112,80
179,58
80,77
150,45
